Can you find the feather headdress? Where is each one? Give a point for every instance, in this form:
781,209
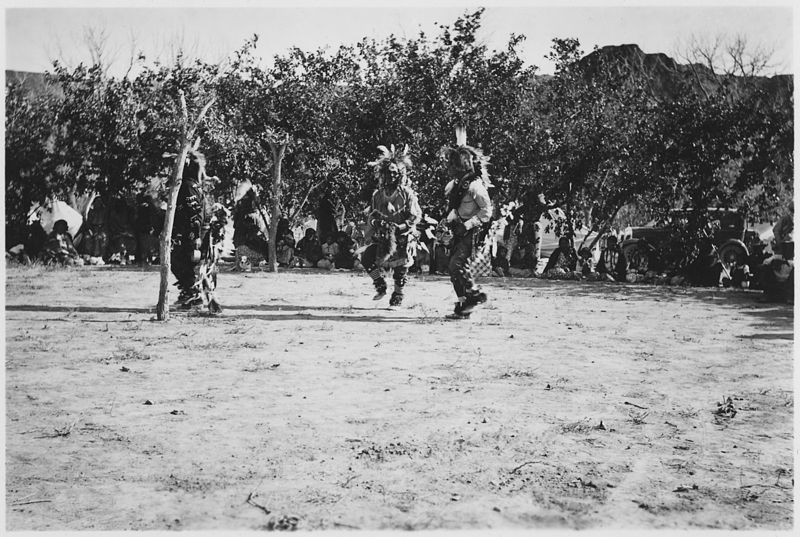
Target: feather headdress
388,156
242,189
465,158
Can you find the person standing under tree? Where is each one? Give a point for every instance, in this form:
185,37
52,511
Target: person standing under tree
468,208
392,224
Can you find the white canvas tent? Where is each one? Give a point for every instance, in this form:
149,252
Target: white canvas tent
60,210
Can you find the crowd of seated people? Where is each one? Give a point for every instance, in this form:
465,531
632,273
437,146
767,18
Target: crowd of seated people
516,255
115,231
338,251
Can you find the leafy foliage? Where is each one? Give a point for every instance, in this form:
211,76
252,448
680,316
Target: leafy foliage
595,137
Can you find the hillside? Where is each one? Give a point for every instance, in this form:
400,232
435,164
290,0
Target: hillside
665,77
34,83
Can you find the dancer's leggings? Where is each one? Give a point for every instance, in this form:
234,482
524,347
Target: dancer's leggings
181,264
399,274
460,273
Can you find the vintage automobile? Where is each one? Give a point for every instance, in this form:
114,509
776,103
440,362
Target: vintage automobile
731,237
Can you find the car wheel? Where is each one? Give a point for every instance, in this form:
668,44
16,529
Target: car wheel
636,257
733,254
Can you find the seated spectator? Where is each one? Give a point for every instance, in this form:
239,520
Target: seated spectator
522,261
500,265
422,261
329,252
776,275
586,265
345,256
612,263
34,241
740,277
95,238
563,262
755,263
284,243
705,270
249,236
34,238
59,247
517,254
309,250
121,232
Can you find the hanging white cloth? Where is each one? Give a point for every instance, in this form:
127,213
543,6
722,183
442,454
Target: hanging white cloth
60,210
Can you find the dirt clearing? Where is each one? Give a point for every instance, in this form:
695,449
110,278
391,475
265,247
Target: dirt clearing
306,406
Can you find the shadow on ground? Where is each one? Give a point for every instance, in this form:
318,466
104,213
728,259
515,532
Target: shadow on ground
77,309
299,316
781,335
771,315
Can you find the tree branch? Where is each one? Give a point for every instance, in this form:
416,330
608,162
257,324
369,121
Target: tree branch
184,112
200,117
302,204
133,55
206,108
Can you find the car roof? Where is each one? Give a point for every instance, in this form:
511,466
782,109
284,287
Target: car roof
710,209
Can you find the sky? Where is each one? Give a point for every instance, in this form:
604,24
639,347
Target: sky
35,36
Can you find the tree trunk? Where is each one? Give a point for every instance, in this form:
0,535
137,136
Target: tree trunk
278,150
570,223
600,226
165,239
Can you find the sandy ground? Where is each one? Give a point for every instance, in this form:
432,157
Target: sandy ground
560,404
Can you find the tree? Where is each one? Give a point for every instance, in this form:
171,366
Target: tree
278,145
416,90
94,143
29,123
188,128
586,129
597,138
728,147
302,96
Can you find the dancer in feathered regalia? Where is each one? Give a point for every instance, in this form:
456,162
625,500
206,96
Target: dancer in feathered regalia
468,207
197,232
392,224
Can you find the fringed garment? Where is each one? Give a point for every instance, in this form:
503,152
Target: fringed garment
394,247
